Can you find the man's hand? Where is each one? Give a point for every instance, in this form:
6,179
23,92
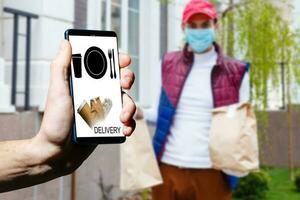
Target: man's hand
51,153
58,117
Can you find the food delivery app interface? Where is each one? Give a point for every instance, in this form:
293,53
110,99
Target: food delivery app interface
96,86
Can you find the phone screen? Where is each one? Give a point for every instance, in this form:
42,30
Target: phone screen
96,86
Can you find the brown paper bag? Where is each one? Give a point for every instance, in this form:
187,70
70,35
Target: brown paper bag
233,140
139,167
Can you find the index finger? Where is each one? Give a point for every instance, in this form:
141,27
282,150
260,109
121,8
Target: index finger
125,60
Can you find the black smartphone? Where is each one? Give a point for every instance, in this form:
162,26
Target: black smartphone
95,87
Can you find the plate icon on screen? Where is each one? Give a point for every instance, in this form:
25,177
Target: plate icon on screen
95,62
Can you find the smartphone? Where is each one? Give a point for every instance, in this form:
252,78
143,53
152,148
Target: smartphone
95,87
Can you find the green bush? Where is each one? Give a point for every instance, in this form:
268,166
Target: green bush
253,187
297,181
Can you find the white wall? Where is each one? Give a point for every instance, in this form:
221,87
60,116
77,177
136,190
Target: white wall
55,17
149,52
175,34
1,29
4,91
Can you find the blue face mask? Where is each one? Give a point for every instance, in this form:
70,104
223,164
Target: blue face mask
200,39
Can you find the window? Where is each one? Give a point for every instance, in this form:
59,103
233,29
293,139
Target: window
116,18
133,39
123,17
103,16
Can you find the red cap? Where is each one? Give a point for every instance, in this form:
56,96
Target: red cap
197,7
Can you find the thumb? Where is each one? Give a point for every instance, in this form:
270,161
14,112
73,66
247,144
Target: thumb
60,68
58,114
61,64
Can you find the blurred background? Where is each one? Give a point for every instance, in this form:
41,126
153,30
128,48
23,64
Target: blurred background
264,33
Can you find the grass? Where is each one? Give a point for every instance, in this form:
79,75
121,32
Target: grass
281,188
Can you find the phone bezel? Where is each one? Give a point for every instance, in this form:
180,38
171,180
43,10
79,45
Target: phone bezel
91,140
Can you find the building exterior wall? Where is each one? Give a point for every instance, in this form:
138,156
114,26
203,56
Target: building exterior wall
47,32
175,35
145,63
1,29
80,14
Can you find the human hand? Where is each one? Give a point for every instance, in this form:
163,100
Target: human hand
53,143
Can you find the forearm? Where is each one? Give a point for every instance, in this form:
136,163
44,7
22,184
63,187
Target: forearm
24,163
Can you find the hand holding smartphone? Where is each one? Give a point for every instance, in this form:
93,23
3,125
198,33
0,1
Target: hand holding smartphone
95,87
